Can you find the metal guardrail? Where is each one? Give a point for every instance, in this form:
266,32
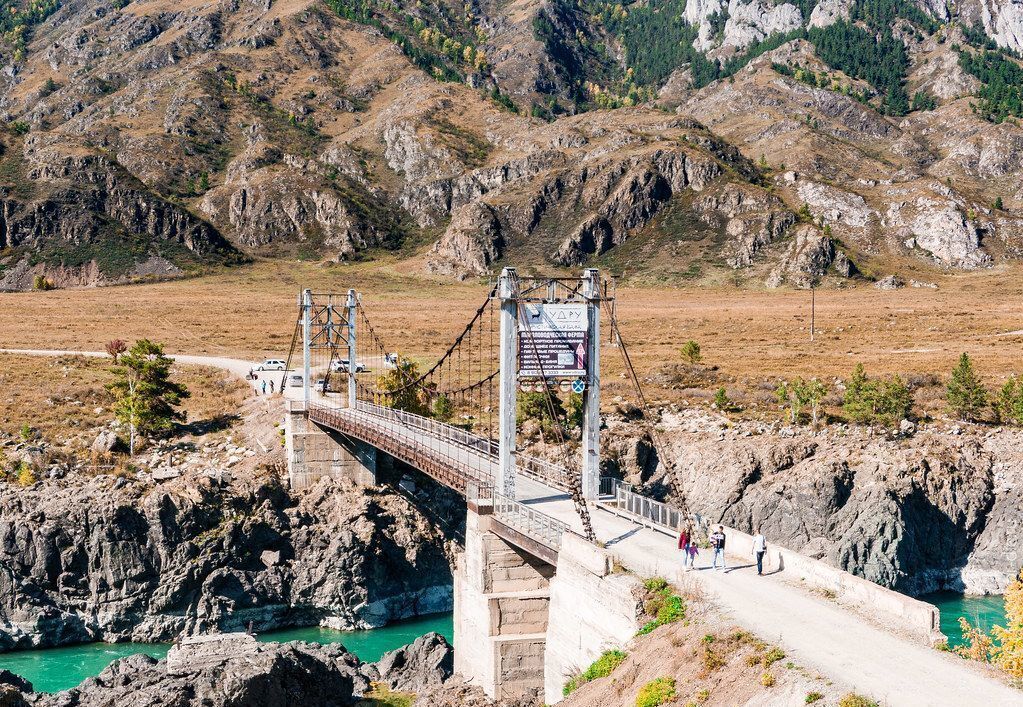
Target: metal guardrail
529,521
623,499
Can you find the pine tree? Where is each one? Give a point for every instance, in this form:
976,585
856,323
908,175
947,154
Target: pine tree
146,399
857,403
965,394
1008,406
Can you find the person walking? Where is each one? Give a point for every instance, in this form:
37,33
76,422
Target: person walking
264,386
717,543
271,387
683,545
759,550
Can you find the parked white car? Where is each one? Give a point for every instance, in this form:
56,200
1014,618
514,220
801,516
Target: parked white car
272,364
342,365
295,380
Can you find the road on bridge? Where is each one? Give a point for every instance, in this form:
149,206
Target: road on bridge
814,632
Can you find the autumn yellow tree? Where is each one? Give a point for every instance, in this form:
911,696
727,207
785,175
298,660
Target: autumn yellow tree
1008,655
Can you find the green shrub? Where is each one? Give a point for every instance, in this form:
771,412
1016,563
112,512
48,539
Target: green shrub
600,668
812,697
869,400
723,403
655,584
690,352
767,679
854,700
773,656
656,692
663,605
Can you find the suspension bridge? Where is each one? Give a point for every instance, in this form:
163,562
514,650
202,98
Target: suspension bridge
549,574
538,589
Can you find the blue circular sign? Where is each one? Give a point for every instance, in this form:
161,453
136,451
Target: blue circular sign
578,385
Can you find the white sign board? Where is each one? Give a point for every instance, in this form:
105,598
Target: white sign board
552,341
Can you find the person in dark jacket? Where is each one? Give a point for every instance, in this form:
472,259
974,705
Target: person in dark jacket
717,544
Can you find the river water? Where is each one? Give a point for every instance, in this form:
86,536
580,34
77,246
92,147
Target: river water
55,669
981,612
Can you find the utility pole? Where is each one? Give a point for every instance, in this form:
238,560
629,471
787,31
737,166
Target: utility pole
351,348
307,307
813,307
507,291
591,396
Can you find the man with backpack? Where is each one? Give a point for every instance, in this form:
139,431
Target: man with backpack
717,544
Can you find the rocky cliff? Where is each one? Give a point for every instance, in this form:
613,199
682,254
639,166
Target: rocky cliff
917,511
113,560
147,138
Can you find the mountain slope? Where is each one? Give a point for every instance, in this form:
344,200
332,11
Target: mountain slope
695,140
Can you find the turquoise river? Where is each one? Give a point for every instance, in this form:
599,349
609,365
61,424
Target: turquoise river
55,669
982,612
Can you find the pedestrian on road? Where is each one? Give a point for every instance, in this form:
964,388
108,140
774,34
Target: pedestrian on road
264,387
683,545
759,549
691,554
271,387
717,543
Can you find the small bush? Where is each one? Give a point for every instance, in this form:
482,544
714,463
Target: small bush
767,679
600,668
812,697
656,692
655,584
24,474
703,695
711,659
854,700
773,656
690,352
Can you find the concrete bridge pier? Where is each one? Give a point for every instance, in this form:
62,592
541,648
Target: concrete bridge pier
524,625
313,452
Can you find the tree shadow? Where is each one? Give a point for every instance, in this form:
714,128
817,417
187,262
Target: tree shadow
218,423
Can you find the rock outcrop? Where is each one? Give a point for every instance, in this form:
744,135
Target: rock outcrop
105,561
918,511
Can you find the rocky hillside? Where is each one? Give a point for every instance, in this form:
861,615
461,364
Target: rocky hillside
919,510
771,141
112,559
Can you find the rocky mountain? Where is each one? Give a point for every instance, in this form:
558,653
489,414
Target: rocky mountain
917,511
772,141
106,559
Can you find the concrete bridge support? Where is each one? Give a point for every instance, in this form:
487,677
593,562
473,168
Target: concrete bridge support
314,452
501,602
523,625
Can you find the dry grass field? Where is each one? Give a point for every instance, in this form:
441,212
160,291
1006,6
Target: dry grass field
63,399
752,336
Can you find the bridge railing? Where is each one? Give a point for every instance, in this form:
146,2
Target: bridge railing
529,521
423,452
441,430
539,469
623,499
